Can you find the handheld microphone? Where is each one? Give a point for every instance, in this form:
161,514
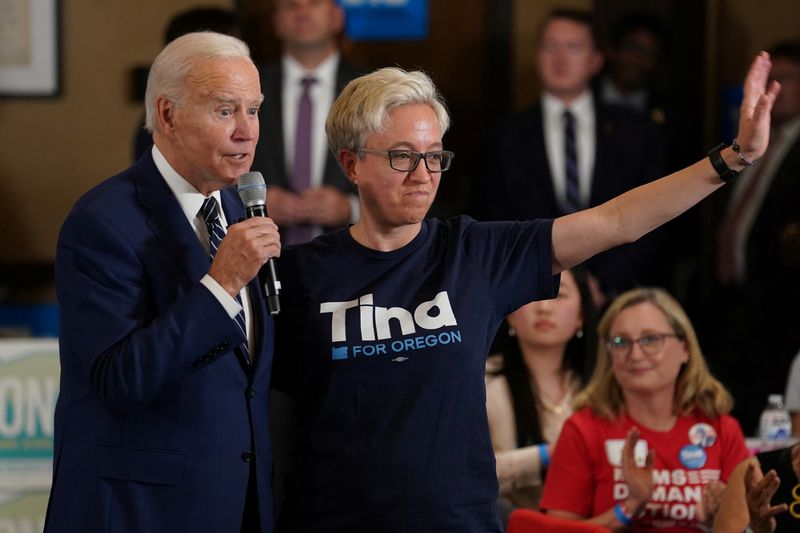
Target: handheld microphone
253,192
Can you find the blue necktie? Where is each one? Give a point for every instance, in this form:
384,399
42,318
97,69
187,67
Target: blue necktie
573,197
210,213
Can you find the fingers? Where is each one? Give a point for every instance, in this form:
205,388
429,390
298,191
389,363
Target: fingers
628,459
755,83
648,463
243,251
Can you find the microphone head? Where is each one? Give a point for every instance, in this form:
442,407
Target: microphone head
252,189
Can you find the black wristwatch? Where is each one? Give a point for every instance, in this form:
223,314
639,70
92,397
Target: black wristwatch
725,172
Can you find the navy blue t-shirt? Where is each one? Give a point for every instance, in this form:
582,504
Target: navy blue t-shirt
385,354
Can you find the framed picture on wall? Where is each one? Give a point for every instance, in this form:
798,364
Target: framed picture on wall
30,48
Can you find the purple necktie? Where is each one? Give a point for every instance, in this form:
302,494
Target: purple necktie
301,176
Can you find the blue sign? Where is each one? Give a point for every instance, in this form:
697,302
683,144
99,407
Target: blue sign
385,20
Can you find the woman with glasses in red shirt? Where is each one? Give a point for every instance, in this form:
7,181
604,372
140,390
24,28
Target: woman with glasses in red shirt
651,443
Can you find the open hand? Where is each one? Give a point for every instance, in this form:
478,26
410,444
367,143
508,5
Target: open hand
759,490
754,113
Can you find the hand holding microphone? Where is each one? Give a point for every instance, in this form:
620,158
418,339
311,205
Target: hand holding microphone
253,191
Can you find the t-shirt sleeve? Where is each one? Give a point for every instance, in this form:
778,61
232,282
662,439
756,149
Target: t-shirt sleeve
569,485
516,259
734,450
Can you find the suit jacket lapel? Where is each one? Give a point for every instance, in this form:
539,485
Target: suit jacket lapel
167,221
542,187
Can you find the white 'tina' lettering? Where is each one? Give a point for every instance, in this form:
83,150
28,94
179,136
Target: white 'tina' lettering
375,321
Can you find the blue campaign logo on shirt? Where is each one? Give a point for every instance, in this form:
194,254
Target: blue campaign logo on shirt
692,456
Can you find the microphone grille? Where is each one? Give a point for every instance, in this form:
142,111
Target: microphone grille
252,189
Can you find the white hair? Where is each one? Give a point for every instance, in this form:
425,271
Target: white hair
364,105
169,71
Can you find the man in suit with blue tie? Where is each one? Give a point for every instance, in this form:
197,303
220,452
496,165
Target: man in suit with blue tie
569,151
308,189
166,344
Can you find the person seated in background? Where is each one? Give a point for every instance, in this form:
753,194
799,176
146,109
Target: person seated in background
760,501
651,444
214,19
547,358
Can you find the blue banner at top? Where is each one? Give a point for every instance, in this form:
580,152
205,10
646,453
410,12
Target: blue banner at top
386,20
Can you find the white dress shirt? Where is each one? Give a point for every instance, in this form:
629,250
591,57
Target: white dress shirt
582,109
191,200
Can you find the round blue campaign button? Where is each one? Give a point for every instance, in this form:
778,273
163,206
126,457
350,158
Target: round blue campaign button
692,456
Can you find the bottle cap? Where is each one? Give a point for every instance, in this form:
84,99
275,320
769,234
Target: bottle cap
775,398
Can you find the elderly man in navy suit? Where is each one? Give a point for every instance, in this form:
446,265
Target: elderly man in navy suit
166,347
569,151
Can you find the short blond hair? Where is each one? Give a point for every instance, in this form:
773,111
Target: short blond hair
171,67
696,388
364,105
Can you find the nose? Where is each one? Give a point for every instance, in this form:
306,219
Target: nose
246,127
636,352
421,174
543,306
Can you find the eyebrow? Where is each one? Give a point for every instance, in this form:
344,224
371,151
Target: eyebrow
234,101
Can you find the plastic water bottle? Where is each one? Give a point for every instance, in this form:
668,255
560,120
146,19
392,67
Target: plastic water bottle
775,424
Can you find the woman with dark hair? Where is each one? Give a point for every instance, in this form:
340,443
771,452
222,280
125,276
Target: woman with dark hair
546,360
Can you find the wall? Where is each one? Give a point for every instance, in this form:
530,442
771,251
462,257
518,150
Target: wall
745,27
51,151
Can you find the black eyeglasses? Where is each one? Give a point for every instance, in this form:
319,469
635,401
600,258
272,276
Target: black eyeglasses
407,160
650,344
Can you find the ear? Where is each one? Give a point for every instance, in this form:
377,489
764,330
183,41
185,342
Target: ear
338,19
597,62
165,115
348,161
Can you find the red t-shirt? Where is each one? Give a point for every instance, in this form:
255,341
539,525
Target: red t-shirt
585,476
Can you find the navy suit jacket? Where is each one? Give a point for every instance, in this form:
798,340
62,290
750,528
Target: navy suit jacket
515,183
158,415
270,158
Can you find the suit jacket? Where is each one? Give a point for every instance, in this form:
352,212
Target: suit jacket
270,158
159,418
515,183
772,244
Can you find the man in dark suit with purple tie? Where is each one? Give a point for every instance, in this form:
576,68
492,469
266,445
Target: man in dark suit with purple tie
166,345
307,188
569,152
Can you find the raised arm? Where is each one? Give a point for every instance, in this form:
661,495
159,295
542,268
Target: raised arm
627,217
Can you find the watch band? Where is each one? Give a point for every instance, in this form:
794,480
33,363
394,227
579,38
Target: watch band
725,173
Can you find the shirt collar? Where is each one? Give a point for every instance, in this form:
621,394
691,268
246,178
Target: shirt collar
554,108
325,73
189,198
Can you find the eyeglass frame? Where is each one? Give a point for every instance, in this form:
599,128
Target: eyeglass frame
659,338
420,156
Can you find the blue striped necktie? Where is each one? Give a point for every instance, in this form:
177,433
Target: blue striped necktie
572,201
210,213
